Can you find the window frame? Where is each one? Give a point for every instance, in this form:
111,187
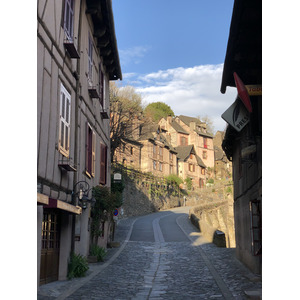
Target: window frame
90,57
90,154
205,142
69,19
101,87
160,166
64,121
154,165
103,164
204,154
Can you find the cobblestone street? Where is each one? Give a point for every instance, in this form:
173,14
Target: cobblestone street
160,269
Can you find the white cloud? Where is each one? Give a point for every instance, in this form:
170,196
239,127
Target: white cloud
189,91
132,55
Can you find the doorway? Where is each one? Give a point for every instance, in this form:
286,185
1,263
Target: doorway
50,246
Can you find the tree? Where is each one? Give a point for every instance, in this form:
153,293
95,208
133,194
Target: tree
209,124
125,107
158,110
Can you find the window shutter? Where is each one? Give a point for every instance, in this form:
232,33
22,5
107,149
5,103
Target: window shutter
101,86
64,121
93,153
86,146
103,163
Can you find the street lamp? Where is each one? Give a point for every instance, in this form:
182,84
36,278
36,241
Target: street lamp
81,190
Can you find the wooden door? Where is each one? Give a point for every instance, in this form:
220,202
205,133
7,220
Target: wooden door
50,246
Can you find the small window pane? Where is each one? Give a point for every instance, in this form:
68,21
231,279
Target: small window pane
67,139
67,112
62,134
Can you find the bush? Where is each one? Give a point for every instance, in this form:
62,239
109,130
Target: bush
78,266
99,252
229,190
189,183
174,180
210,180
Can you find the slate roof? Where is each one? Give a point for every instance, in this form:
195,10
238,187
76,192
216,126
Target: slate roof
187,120
150,132
183,152
177,127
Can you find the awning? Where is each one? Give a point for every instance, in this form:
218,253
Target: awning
54,203
42,199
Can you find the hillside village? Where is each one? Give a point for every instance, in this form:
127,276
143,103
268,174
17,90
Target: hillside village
178,146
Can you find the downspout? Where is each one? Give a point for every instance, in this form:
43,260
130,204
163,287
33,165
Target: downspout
76,74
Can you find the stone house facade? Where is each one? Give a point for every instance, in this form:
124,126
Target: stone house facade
198,136
148,151
223,166
191,166
77,56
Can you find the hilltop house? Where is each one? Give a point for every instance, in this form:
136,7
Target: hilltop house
148,150
77,56
190,165
198,136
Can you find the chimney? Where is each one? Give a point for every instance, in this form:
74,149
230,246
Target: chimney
169,119
193,125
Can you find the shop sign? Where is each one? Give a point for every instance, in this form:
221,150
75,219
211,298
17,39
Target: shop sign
236,115
254,89
242,92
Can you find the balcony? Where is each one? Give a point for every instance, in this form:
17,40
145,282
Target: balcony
93,92
104,114
67,165
71,49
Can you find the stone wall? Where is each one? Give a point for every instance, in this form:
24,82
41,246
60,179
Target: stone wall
214,218
138,200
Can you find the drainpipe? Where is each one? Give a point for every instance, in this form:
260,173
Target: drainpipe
77,76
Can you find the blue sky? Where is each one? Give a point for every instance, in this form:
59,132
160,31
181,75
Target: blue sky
173,51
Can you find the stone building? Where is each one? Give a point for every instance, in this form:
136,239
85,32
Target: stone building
199,137
77,56
243,137
191,166
223,166
148,150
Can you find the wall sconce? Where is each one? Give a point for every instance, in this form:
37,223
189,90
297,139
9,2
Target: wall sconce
81,190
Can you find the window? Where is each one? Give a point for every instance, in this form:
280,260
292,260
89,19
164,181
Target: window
131,150
170,156
90,57
161,152
205,142
154,165
64,121
201,183
204,155
154,150
171,169
103,163
203,171
69,19
191,156
160,167
90,151
183,141
191,168
101,86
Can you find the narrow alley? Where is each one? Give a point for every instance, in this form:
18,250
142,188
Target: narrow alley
161,256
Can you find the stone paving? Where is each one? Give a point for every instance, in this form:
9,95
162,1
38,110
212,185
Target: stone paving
160,270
